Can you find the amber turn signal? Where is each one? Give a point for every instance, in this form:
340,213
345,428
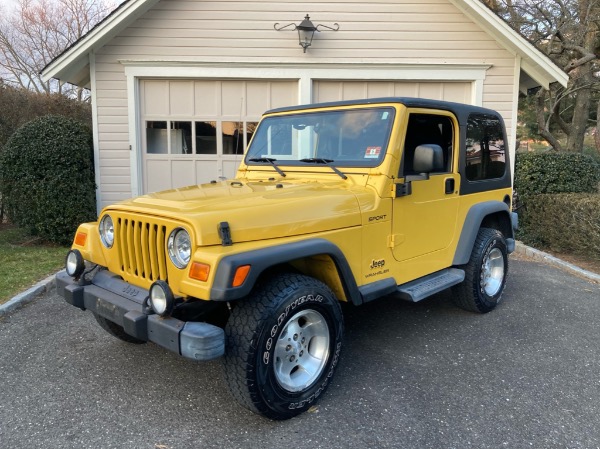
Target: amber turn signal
199,271
241,273
80,238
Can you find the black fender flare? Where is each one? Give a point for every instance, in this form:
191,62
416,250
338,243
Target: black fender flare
264,258
471,226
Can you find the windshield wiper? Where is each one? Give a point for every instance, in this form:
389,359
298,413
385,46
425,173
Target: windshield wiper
318,160
270,161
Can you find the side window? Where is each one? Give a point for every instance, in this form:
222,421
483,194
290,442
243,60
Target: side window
486,149
428,129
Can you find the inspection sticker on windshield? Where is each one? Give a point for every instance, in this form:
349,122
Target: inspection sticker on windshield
372,152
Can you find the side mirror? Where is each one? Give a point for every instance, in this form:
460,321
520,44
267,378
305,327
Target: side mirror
428,158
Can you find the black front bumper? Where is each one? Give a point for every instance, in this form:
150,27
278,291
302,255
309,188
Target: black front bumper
116,300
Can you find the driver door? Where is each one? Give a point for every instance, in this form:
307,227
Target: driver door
424,220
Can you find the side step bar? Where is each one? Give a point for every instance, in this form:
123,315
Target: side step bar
429,285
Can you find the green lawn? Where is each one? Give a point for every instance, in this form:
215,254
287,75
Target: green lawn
24,261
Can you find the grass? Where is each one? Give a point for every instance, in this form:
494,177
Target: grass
24,261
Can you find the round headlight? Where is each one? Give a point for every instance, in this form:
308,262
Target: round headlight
180,247
161,298
107,231
74,265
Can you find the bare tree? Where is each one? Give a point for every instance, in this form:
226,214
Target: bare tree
37,31
568,31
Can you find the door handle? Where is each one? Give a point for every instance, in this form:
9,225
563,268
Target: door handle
449,186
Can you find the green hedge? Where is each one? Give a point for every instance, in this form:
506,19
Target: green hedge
559,203
552,172
568,222
47,177
20,106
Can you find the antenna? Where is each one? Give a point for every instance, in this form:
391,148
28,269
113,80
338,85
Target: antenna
237,142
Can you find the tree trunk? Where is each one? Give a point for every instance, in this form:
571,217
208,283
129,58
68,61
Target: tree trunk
597,133
543,124
581,112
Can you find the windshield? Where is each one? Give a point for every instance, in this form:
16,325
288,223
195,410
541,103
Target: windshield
352,137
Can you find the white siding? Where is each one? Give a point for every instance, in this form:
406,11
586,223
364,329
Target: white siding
220,32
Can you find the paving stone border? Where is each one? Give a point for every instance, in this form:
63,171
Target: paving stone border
549,259
41,288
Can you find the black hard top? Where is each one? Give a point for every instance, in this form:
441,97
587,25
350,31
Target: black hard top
460,110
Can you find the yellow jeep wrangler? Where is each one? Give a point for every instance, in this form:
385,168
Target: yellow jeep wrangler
347,201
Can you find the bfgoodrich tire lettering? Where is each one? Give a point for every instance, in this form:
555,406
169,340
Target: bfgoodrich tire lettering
485,273
283,345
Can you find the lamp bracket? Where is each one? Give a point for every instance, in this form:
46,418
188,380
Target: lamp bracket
285,26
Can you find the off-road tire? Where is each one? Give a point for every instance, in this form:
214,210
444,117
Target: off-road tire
116,331
481,291
256,344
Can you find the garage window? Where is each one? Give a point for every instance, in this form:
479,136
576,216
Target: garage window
206,138
236,136
197,137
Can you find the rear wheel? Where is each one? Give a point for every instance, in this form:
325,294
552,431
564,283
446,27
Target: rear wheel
116,331
283,344
485,273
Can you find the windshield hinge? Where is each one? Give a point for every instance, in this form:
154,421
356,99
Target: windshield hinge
403,189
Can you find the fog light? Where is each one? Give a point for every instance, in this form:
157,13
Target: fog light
74,264
161,298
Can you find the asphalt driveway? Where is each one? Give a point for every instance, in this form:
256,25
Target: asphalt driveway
424,375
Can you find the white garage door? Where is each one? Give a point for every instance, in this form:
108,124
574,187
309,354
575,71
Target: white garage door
351,90
194,131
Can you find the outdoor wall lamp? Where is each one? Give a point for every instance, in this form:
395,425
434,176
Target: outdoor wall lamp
306,31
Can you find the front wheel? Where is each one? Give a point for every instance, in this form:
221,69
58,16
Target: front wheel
485,273
283,344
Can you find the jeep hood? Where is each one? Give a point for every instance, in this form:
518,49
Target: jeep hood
254,210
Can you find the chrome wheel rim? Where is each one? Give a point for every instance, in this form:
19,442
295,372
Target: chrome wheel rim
492,273
302,350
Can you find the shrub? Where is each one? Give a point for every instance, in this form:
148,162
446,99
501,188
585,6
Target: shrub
564,223
552,172
47,177
20,106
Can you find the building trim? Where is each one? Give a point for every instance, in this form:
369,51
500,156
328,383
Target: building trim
95,130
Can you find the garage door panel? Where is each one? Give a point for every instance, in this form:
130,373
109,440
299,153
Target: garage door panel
181,97
375,90
457,92
232,94
327,91
206,171
154,98
352,90
157,175
257,99
284,94
183,173
206,98
188,112
406,89
230,167
434,91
